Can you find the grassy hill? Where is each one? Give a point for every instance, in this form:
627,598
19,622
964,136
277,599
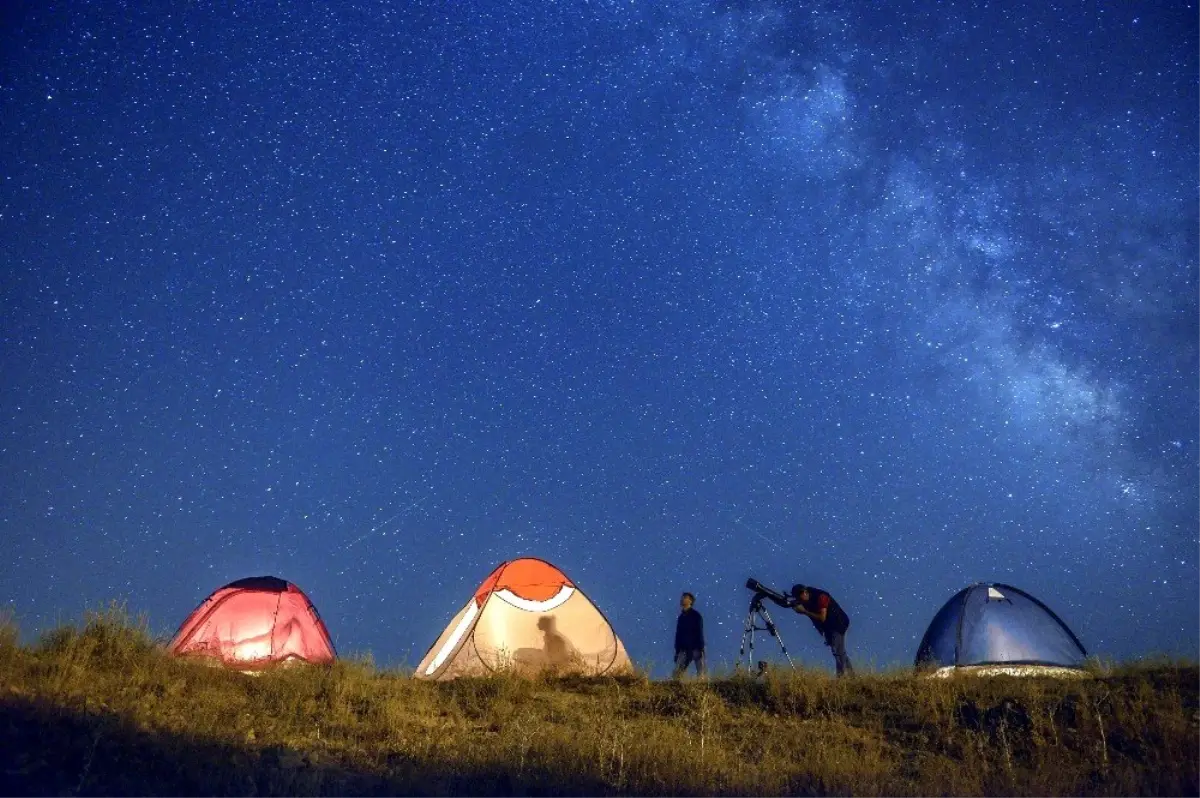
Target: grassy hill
100,710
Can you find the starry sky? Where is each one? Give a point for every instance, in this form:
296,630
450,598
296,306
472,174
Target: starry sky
886,298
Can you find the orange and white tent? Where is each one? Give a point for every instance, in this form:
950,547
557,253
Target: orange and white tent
255,623
527,617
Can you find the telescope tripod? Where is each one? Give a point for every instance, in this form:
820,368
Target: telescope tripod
759,613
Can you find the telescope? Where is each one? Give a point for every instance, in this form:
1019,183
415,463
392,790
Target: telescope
759,612
762,591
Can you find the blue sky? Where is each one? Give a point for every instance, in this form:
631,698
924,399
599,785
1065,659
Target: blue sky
372,298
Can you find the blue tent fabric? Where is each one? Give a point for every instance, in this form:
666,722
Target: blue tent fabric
995,624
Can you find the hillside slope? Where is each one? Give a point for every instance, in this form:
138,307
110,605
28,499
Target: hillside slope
100,710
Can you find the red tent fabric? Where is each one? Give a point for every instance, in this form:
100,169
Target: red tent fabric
255,623
527,578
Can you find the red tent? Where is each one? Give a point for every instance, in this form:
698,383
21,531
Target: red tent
254,623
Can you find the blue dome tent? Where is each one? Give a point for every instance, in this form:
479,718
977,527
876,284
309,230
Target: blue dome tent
998,626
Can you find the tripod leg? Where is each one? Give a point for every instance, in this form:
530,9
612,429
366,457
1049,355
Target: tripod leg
748,640
775,633
747,637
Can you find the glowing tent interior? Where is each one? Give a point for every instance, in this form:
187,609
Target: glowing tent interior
527,617
992,627
255,623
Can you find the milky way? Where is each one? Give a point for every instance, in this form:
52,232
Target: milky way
670,294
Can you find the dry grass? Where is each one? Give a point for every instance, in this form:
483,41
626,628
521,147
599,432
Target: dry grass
101,710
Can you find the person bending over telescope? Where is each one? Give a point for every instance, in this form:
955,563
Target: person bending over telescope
829,618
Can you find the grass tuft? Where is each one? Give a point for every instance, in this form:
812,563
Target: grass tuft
10,631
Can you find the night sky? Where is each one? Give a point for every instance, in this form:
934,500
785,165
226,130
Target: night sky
883,298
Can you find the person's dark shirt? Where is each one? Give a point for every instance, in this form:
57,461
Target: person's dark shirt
689,631
836,619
